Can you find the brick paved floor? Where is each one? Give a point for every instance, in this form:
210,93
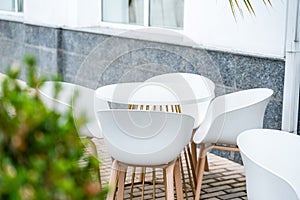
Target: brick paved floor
225,180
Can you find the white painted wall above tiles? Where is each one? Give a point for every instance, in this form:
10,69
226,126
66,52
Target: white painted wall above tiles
87,13
212,25
209,23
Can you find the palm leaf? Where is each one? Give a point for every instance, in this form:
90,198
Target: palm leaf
235,4
232,7
249,6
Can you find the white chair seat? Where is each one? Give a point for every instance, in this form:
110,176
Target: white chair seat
271,164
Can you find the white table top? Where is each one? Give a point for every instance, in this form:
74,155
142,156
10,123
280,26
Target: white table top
150,93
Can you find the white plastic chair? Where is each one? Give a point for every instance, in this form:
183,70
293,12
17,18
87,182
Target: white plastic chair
226,118
197,86
82,102
271,161
146,139
151,96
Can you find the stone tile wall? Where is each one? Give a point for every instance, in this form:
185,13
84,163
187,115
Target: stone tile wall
96,59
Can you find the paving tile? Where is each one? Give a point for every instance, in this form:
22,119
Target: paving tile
232,176
239,184
232,195
236,189
223,182
207,181
242,179
218,188
213,194
211,175
230,172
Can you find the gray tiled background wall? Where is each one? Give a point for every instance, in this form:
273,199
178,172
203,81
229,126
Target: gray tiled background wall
96,59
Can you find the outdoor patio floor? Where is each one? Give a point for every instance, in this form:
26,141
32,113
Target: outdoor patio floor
225,180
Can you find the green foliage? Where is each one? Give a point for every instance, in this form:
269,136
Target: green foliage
39,148
235,4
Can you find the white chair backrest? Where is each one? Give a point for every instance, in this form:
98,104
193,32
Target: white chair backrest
145,138
80,99
198,85
229,115
271,160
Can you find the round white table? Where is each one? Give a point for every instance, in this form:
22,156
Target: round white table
151,93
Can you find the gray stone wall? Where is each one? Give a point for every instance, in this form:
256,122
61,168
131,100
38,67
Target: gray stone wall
96,59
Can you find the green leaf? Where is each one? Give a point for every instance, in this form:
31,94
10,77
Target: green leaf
235,4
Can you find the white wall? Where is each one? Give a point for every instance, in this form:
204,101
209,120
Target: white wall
211,24
45,12
88,13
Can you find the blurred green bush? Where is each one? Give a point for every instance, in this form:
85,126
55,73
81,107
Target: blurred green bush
40,148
